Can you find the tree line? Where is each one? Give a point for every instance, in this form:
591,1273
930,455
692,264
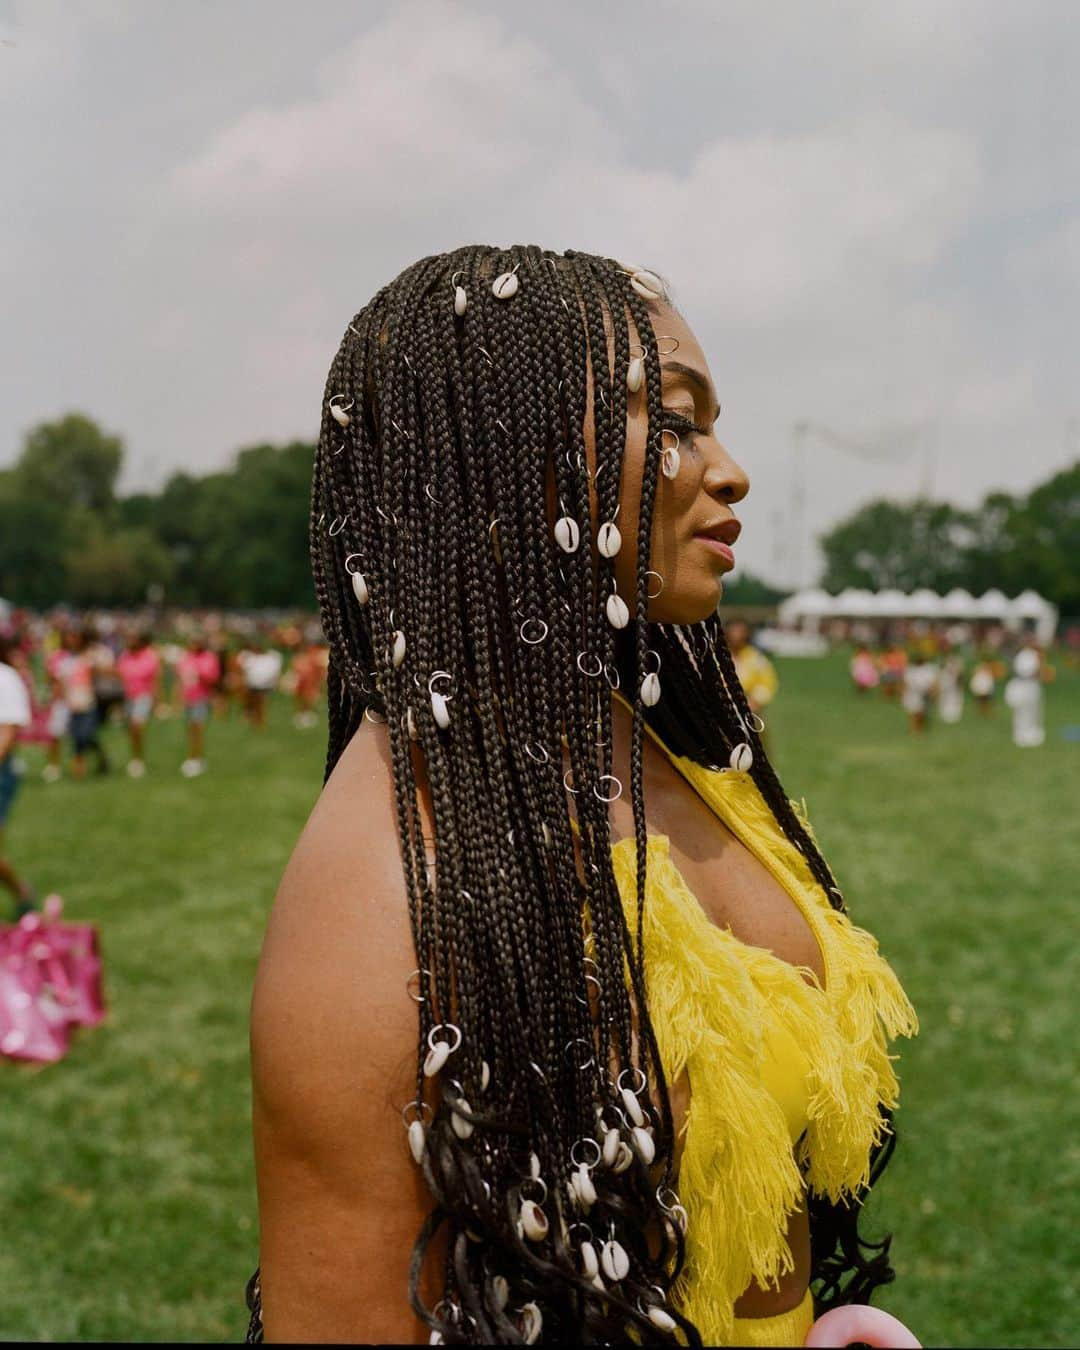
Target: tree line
237,537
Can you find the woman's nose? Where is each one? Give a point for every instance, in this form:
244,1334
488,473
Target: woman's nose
725,479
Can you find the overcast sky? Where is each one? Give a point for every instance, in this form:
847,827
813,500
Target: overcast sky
870,213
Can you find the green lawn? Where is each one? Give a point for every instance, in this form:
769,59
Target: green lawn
126,1190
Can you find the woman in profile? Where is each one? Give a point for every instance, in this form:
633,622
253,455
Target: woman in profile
561,1032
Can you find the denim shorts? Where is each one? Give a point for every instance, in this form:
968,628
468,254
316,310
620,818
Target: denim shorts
9,786
83,728
140,708
199,711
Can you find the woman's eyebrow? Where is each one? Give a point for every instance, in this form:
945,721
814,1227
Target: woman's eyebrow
696,378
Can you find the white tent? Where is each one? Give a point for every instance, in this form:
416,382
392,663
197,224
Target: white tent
1030,605
807,608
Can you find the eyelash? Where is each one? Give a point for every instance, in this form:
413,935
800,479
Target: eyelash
677,422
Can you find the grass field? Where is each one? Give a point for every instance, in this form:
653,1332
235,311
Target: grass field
126,1184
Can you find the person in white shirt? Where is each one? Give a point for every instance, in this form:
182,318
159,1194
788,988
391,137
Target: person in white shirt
14,714
262,667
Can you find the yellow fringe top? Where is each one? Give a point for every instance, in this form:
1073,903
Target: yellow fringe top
786,1076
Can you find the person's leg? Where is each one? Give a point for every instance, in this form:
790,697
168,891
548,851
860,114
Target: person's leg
9,878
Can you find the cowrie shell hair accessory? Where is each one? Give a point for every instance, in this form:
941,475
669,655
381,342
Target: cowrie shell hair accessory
485,1075
414,1128
590,1262
398,654
670,459
501,1291
439,702
340,412
647,284
567,534
624,1157
359,581
614,1261
534,1222
462,1128
742,758
461,300
635,369
618,613
643,1144
650,690
439,1050
608,539
611,1147
506,284
531,1324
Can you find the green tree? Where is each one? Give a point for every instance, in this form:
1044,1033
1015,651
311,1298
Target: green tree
114,566
899,544
71,462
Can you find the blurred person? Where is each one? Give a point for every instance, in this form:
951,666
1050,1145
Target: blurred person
983,683
863,670
919,684
261,665
309,674
197,671
14,716
108,686
950,690
893,664
139,667
1024,697
756,672
219,645
74,670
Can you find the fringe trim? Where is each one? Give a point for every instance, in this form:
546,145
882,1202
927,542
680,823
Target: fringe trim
715,1002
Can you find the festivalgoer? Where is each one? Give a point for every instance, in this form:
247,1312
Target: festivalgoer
14,715
261,665
893,665
950,689
74,670
1024,696
108,686
543,802
982,684
139,667
756,672
919,685
309,675
197,670
863,670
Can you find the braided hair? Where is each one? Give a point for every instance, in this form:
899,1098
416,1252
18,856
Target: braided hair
452,420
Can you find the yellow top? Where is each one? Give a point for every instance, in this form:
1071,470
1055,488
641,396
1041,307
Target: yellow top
757,675
786,1076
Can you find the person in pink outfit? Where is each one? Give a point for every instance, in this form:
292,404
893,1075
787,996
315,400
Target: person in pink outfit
198,670
139,667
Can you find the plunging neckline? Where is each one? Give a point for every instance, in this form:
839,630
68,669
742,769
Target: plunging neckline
743,779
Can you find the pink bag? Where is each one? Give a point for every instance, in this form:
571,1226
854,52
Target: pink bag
50,982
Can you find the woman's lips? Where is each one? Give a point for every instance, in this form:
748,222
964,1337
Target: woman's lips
719,547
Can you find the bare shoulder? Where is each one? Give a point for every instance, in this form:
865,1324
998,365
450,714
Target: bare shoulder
333,1041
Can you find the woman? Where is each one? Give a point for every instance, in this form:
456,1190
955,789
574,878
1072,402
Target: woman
523,1066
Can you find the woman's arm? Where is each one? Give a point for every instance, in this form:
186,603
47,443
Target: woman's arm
333,1037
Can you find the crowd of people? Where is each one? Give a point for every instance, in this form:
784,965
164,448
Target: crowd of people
931,674
66,677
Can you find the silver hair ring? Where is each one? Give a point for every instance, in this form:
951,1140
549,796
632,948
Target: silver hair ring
534,1181
368,711
390,519
430,495
671,350
335,400
577,455
755,718
502,426
348,559
587,1139
414,978
444,1026
652,573
419,1108
579,1040
337,525
400,429
458,273
611,779
651,652
405,358
539,760
485,354
538,1071
614,683
566,785
591,673
633,1069
533,641
438,675
334,453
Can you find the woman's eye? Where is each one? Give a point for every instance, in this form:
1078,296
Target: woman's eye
680,422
